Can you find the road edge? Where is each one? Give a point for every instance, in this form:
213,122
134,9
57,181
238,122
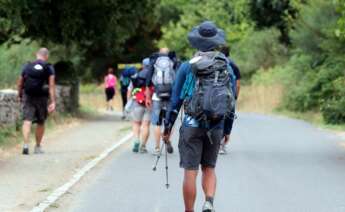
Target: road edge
60,191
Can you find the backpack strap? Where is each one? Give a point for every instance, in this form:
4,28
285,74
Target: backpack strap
188,86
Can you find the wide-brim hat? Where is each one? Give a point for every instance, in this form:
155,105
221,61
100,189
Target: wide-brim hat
206,36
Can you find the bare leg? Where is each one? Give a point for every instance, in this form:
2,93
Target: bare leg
189,189
26,131
136,130
145,132
209,181
158,136
39,134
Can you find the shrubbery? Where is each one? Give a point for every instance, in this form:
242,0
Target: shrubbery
314,76
259,50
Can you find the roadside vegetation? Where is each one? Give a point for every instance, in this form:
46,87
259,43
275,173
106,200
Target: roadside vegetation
290,52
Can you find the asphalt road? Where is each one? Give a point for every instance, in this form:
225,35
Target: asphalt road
275,164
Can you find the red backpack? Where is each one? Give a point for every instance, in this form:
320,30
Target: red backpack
139,94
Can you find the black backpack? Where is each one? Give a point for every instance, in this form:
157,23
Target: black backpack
212,99
139,79
35,78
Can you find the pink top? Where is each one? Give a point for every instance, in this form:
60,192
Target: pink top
110,81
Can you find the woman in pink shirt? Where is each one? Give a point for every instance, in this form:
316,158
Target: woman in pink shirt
109,85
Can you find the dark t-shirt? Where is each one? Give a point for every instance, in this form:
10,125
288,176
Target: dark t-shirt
50,69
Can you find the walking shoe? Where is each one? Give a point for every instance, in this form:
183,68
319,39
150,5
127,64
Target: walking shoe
136,147
208,207
25,151
157,151
170,148
38,150
143,149
223,150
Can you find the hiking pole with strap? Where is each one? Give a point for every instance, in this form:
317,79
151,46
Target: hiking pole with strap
158,157
166,166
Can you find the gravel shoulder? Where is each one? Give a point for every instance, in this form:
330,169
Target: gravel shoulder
27,180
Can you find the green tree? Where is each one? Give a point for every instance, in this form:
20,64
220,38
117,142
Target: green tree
103,30
268,13
232,16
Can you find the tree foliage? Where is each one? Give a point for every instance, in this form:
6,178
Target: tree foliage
231,16
279,13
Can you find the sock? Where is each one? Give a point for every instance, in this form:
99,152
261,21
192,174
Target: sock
136,141
26,146
209,199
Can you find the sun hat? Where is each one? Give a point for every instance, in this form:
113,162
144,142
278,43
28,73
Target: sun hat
206,36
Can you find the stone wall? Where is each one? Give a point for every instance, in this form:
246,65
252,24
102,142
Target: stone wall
9,107
67,99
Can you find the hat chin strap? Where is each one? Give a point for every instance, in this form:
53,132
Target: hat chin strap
195,59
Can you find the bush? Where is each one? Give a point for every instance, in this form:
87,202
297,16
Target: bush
259,50
333,110
12,59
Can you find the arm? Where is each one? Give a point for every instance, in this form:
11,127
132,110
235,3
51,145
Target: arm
20,84
52,105
238,87
105,82
175,100
238,77
129,91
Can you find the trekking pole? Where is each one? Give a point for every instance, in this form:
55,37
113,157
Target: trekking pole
158,157
166,166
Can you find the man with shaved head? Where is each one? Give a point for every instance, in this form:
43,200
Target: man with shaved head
36,91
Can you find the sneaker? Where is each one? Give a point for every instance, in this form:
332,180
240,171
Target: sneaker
25,151
170,148
38,150
208,207
136,147
222,150
143,149
157,151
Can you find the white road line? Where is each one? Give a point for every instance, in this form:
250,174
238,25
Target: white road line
53,197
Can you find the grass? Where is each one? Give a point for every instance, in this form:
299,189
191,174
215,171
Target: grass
92,97
260,98
266,99
9,135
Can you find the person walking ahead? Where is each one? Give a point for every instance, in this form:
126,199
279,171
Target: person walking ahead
161,74
202,86
110,81
140,114
36,88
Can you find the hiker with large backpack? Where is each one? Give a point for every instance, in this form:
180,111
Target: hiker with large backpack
140,114
161,75
125,80
203,87
36,91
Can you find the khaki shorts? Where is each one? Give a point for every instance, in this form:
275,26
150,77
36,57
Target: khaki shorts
140,113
